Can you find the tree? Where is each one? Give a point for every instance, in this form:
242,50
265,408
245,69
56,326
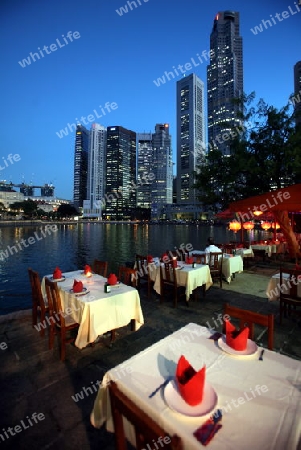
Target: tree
29,207
66,210
264,156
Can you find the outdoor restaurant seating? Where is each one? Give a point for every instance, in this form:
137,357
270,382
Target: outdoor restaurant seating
290,298
100,267
168,282
38,303
127,276
146,430
60,323
215,266
249,318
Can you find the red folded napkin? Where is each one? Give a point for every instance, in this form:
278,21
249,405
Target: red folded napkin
240,246
112,279
57,273
189,259
297,267
150,259
87,269
77,286
165,257
190,382
236,339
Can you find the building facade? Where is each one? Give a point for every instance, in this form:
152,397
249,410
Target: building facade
296,100
96,172
190,135
80,166
162,173
120,197
144,168
224,80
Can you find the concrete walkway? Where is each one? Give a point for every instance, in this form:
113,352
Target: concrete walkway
37,407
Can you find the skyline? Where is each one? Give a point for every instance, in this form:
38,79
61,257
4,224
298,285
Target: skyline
95,61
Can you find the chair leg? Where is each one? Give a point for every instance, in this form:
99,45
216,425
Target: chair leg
133,324
34,315
42,331
51,336
63,345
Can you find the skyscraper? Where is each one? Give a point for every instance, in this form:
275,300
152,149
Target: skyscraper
162,169
120,173
224,79
296,100
96,171
190,135
80,165
144,168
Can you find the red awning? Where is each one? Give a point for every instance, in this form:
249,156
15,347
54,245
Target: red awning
285,199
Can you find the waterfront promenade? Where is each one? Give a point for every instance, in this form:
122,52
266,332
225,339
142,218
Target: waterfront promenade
33,380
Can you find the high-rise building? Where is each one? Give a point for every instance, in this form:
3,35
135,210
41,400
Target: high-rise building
296,100
161,169
190,135
121,180
80,165
96,171
144,168
224,80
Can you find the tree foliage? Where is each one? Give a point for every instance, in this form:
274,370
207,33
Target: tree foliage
266,155
66,210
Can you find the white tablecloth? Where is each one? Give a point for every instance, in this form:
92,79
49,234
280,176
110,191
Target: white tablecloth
98,312
260,400
231,264
245,252
189,277
273,289
269,249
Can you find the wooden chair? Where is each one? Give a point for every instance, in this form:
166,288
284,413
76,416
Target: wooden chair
146,430
100,267
168,281
143,275
38,303
249,318
200,259
290,299
60,322
215,265
128,276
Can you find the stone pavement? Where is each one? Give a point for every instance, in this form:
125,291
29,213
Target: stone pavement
33,380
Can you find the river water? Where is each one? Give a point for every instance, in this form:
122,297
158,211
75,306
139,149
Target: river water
71,246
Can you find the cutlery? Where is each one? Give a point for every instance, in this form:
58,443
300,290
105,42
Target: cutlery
159,387
261,355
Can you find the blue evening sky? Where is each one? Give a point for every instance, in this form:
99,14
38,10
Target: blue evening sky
116,58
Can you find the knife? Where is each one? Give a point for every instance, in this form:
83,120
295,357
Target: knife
261,355
165,383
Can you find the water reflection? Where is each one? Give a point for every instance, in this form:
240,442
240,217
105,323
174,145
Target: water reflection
72,246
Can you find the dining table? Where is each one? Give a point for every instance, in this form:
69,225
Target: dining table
96,311
258,392
231,264
187,275
273,287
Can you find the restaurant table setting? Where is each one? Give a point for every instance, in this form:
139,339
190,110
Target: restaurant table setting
189,275
273,288
98,310
231,264
210,388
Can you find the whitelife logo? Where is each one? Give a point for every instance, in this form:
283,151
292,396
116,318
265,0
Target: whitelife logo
53,48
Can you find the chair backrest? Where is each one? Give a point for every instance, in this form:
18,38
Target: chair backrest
141,265
36,292
127,276
54,302
249,318
100,267
216,261
146,430
289,280
168,273
200,259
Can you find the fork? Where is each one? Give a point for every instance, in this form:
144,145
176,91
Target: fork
261,355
